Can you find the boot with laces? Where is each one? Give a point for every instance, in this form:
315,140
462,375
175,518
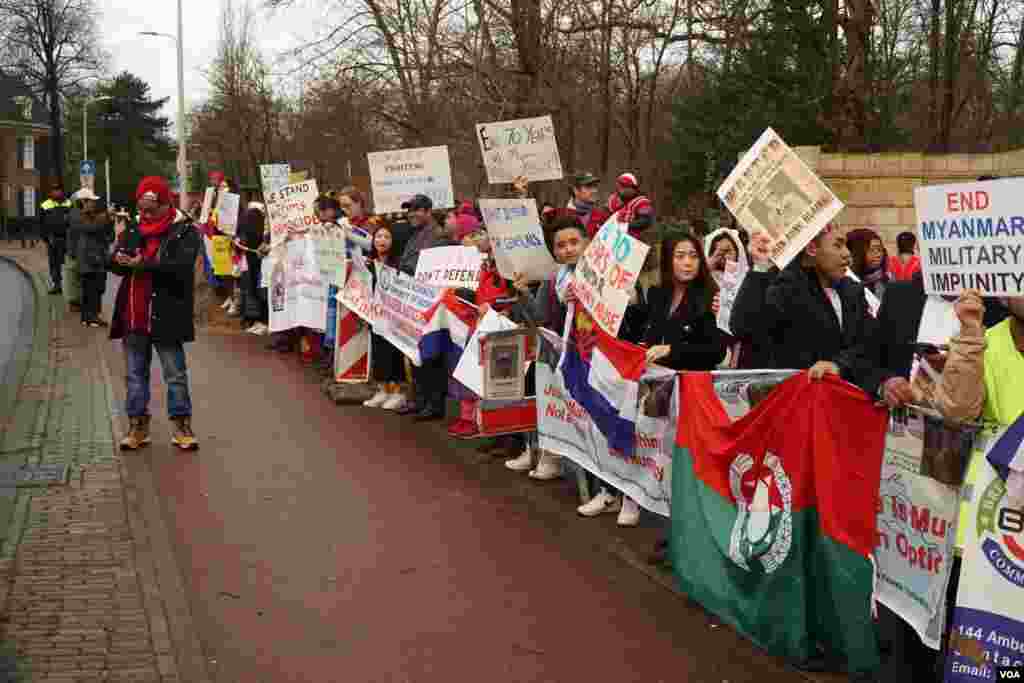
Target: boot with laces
183,437
138,434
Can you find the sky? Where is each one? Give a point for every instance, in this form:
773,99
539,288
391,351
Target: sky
154,59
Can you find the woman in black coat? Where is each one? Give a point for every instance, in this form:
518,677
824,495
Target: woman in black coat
92,232
681,332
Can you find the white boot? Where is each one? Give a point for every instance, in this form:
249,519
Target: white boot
378,399
602,502
393,401
548,467
630,513
521,464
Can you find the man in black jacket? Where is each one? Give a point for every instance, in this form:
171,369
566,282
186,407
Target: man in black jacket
153,309
54,218
810,313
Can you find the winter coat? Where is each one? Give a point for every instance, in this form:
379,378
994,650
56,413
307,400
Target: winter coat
690,331
89,239
54,218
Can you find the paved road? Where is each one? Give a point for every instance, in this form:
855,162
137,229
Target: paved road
17,306
323,543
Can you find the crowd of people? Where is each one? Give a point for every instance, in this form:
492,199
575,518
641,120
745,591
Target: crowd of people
815,314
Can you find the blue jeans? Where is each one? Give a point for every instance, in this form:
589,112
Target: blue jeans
138,351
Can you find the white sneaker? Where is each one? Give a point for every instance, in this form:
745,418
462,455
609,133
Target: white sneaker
233,311
255,328
227,303
378,400
630,513
548,467
602,502
521,464
393,402
263,330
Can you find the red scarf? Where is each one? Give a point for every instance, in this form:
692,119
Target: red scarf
140,282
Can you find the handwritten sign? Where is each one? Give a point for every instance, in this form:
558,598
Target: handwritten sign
450,267
402,308
772,190
398,175
972,237
221,245
227,213
291,209
330,252
605,276
357,293
274,176
517,238
523,147
204,215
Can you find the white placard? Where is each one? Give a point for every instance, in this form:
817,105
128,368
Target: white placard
449,267
274,176
971,236
517,238
732,277
357,293
298,293
397,175
604,279
227,213
938,322
523,147
772,190
291,209
401,307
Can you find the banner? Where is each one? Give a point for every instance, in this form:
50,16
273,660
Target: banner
772,190
517,238
606,274
221,248
523,147
403,308
916,533
449,267
565,428
274,176
972,237
357,293
398,175
740,390
298,293
227,213
290,209
988,622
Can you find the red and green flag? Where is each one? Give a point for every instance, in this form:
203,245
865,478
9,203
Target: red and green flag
773,515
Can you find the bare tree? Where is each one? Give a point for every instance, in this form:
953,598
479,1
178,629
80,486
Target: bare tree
53,45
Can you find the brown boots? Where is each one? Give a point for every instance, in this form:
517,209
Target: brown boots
138,434
183,437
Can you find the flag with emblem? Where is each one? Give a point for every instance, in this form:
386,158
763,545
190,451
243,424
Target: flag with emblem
773,515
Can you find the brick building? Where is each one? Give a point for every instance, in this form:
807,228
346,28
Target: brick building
24,132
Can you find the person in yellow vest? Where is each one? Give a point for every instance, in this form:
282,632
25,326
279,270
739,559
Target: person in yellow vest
54,218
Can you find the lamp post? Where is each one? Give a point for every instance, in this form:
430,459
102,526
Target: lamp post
85,124
182,163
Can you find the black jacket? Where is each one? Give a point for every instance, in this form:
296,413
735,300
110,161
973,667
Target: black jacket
790,311
889,351
90,240
173,269
54,218
691,331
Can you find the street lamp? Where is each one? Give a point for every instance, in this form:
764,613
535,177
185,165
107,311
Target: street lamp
85,124
182,164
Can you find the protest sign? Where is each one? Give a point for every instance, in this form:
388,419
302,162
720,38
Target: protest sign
221,247
972,237
298,296
772,190
987,630
357,293
227,213
330,252
916,517
449,267
523,147
274,176
204,215
938,322
291,209
297,176
604,279
469,372
267,270
402,308
732,277
517,238
564,428
397,175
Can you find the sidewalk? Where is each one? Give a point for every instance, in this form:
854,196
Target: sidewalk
84,583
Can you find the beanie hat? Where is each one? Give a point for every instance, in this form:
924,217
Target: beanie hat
258,206
465,224
154,188
628,180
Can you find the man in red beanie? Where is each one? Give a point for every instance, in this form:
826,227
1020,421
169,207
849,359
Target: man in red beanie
153,310
632,208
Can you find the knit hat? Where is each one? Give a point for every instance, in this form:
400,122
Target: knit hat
258,206
628,180
465,224
154,188
585,179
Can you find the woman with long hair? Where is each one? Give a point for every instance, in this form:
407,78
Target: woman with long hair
388,363
869,259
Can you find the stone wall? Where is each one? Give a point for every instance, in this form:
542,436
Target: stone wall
878,189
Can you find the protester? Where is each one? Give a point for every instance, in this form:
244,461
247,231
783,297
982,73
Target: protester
722,249
583,200
54,218
388,364
811,314
248,238
906,262
356,209
631,206
868,260
153,309
328,212
91,232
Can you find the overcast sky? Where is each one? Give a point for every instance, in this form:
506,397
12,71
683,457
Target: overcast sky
154,59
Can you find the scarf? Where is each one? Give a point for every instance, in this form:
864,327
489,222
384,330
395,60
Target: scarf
140,282
874,276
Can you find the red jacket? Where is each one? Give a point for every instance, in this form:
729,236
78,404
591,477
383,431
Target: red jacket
492,287
904,271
